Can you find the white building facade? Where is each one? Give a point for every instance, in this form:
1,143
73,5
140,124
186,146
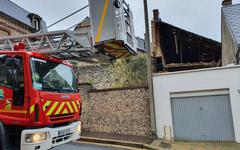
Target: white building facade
198,105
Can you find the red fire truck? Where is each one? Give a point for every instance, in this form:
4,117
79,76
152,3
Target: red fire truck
40,105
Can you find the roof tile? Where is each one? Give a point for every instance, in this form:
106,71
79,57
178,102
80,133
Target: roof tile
11,9
232,15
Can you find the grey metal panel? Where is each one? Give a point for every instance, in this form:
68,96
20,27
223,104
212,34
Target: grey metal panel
11,9
96,12
232,16
141,44
116,23
202,118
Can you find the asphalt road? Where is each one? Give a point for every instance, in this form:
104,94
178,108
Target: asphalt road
72,146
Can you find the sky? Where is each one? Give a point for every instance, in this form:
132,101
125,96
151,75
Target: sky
199,16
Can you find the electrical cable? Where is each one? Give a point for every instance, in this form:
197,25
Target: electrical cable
68,16
72,26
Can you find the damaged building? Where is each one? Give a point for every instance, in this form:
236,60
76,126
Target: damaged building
180,95
175,49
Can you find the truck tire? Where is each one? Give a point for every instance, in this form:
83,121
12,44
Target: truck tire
3,137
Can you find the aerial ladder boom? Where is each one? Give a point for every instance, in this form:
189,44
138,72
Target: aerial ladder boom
65,45
111,36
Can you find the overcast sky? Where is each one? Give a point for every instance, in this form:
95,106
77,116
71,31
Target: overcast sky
199,16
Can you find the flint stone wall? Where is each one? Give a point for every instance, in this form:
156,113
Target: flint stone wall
118,111
99,75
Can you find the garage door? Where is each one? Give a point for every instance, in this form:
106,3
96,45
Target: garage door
202,118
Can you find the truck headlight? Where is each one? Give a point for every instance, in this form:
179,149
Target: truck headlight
36,137
79,128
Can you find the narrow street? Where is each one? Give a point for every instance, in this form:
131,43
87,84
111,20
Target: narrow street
72,146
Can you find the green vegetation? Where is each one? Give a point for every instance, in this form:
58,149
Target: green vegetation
130,72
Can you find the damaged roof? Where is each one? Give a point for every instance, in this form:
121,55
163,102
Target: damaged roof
232,17
181,46
16,12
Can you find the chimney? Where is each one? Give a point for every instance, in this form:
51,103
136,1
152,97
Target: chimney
156,35
226,2
155,15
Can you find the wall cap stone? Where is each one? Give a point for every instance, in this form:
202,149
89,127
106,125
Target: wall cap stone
118,89
84,84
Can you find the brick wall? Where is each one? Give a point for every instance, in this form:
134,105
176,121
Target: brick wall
117,111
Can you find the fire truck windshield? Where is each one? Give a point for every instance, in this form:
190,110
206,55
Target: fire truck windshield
52,77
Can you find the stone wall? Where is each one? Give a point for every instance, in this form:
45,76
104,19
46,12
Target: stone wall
84,88
99,75
118,111
13,27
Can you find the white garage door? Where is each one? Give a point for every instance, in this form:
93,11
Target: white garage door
202,118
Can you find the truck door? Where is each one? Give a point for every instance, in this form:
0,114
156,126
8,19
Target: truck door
12,89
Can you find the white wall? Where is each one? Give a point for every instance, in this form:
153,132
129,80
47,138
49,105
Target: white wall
196,80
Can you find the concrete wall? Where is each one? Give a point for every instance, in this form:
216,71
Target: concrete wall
12,26
118,111
198,81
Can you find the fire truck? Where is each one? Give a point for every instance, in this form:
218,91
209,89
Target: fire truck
40,105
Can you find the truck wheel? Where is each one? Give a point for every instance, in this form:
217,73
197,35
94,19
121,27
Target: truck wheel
4,144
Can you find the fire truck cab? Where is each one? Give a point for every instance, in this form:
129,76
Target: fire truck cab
40,105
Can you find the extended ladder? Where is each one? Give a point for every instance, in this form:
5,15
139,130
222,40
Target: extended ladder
66,45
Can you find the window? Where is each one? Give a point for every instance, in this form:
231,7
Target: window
12,76
4,80
35,21
53,77
36,24
11,70
4,32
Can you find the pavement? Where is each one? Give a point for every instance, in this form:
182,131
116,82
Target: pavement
205,146
177,145
118,141
124,142
118,137
84,146
104,141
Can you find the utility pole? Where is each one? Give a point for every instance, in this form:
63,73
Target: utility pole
149,66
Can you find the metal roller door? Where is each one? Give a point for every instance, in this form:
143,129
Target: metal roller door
202,118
